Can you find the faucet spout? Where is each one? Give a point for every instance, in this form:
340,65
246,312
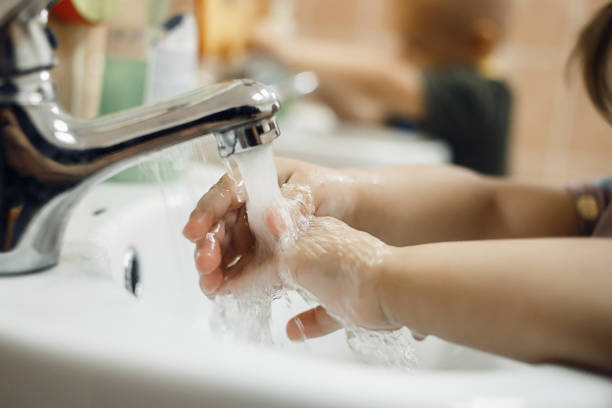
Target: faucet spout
50,159
81,148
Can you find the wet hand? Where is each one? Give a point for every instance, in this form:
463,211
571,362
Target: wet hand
228,256
332,195
335,264
338,267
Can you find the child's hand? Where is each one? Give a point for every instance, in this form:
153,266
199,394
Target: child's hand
225,245
234,258
340,267
333,262
219,227
331,191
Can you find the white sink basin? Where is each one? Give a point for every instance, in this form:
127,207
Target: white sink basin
312,133
74,336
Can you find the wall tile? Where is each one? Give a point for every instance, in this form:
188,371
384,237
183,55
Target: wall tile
557,134
590,133
541,23
589,166
527,164
532,110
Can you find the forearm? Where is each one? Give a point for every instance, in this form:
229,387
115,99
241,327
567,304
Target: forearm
534,300
331,60
349,103
392,83
420,204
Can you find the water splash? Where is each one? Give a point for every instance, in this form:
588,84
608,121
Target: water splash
248,316
389,348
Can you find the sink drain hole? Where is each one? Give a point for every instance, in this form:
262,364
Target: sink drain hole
131,271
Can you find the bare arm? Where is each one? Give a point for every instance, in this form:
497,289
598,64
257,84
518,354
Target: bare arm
419,204
531,299
534,300
408,205
380,84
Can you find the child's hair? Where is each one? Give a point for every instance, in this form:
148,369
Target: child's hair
592,53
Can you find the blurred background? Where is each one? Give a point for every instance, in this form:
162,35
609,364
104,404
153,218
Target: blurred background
119,54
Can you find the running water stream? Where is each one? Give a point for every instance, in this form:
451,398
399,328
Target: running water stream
248,316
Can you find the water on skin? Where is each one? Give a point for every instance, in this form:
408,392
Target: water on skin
248,316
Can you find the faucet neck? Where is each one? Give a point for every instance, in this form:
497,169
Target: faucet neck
30,89
26,44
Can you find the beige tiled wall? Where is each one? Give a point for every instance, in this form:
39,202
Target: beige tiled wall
557,135
371,22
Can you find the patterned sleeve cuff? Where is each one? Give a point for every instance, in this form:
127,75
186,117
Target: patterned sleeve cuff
591,200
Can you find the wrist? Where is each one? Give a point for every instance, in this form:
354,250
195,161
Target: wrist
399,290
334,193
385,291
350,187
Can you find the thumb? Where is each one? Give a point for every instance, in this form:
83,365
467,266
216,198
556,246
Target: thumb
315,322
297,203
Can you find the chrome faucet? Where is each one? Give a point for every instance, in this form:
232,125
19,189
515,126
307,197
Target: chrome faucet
49,159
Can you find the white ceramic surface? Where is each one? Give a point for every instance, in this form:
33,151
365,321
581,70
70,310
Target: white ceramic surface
74,337
311,132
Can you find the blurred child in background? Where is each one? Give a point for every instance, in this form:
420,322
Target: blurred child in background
434,83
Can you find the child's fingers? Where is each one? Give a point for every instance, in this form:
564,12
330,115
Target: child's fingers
223,197
198,226
249,275
211,282
208,250
299,204
315,322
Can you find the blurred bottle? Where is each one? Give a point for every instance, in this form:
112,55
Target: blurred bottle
127,52
174,58
79,26
225,25
86,11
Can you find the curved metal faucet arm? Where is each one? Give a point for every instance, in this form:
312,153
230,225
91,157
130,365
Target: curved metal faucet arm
24,40
215,107
49,159
10,8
